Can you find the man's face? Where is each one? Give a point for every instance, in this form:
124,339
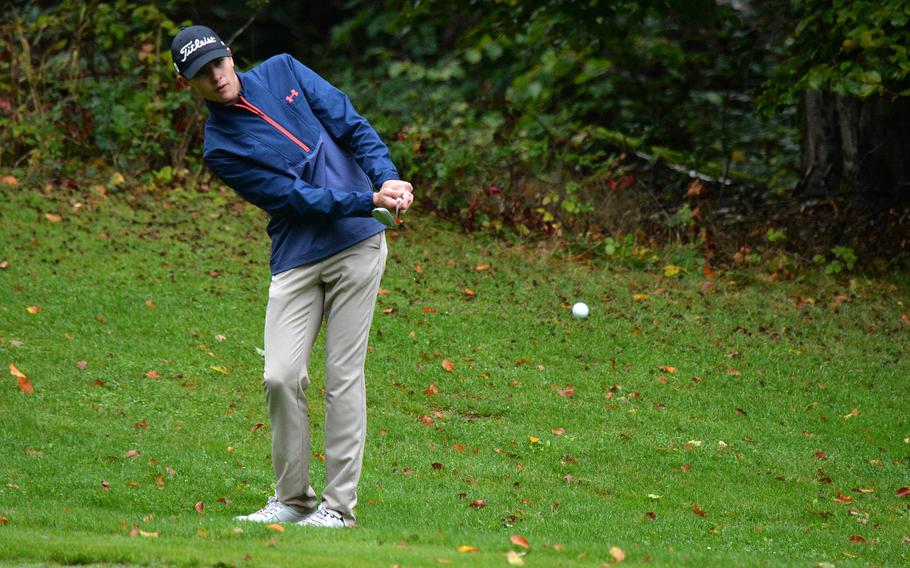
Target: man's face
216,81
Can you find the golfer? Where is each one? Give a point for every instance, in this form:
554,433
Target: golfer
290,143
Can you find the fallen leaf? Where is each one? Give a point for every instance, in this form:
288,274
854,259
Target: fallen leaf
256,426
566,392
617,554
149,303
558,431
9,180
671,270
653,497
131,454
101,319
843,499
152,374
33,309
159,481
82,364
388,310
382,292
521,541
466,548
437,465
53,217
640,297
734,372
220,369
478,504
481,267
429,310
202,533
448,366
853,413
903,492
426,420
651,515
3,520
143,425
821,455
514,558
857,538
275,527
132,484
105,485
148,534
14,371
709,272
469,292
534,439
458,447
199,506
319,457
431,390
685,468
224,500
698,510
906,319
667,369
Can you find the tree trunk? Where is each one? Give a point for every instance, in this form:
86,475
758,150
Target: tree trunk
856,146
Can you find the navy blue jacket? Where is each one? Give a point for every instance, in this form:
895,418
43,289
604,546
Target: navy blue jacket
294,146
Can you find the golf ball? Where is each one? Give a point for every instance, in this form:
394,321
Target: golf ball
580,310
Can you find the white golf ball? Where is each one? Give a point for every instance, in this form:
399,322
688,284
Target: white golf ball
580,310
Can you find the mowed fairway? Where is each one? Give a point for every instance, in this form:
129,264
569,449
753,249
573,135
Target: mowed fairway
754,423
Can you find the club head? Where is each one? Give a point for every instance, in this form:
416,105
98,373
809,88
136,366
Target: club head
383,215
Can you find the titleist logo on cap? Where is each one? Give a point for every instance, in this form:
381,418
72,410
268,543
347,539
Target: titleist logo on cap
192,46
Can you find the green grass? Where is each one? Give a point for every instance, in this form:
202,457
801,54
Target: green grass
177,285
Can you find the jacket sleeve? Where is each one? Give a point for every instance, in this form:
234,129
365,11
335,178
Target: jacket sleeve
281,194
336,113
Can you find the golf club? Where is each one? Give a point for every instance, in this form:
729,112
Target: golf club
385,217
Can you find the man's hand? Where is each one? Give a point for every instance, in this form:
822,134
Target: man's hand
390,191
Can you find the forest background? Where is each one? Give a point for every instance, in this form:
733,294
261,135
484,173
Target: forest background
774,132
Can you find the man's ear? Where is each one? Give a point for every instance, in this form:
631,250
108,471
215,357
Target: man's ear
183,82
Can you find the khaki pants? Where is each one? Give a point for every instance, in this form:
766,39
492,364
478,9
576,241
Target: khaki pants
342,289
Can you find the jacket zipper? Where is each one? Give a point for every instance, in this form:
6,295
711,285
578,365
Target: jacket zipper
247,105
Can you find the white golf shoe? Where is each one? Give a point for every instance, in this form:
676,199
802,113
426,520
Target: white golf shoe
324,518
274,512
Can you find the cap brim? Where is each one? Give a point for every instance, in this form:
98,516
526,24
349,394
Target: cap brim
200,61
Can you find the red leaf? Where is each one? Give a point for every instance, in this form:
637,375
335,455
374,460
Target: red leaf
856,538
458,447
199,506
448,366
431,390
903,491
521,541
152,374
469,292
651,515
698,510
478,504
25,386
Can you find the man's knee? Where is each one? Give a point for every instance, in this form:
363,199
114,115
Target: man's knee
284,379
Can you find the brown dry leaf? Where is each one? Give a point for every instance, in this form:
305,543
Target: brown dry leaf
419,268
224,500
143,425
82,364
470,293
132,484
843,499
33,309
14,371
667,369
478,504
319,457
734,372
558,431
651,515
566,392
857,538
448,366
199,506
256,426
821,455
105,485
459,447
521,541
53,217
101,319
481,267
131,454
698,510
382,292
426,420
685,468
437,465
159,481
4,265
388,310
695,189
466,548
905,318
149,303
3,520
11,181
617,553
275,527
429,310
709,272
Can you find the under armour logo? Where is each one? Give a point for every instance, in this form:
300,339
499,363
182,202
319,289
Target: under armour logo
290,98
